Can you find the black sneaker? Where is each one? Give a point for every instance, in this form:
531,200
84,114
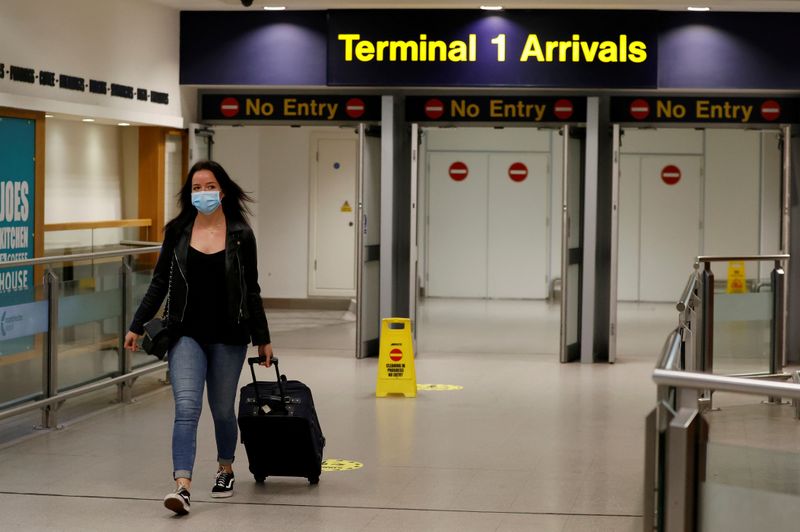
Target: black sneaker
223,485
178,501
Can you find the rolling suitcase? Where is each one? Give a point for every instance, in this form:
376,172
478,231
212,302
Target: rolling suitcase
279,427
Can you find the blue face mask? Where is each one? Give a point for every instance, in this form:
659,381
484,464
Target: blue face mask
206,202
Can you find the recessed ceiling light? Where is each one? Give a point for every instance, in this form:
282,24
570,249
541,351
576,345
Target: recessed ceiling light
87,120
48,116
492,8
698,8
274,8
123,124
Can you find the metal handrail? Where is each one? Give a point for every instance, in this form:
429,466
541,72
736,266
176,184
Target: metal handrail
726,258
80,256
670,354
82,390
683,302
705,381
53,398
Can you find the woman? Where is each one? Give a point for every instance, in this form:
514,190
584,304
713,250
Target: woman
208,266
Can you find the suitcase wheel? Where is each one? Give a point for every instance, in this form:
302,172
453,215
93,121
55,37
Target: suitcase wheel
260,478
313,480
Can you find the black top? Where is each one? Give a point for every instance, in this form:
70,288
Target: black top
244,310
206,319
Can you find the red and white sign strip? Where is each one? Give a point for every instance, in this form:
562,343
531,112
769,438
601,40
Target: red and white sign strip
563,109
434,109
355,107
639,109
458,171
396,355
670,174
518,172
229,107
770,110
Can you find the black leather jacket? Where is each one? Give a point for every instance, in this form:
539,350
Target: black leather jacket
245,308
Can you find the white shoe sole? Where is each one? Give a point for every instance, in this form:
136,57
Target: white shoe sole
222,494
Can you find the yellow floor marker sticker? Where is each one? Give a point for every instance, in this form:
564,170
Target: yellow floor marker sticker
334,464
396,372
439,387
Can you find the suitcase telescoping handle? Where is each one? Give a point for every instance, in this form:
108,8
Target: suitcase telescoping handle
252,361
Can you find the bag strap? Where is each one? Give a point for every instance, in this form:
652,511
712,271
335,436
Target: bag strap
165,314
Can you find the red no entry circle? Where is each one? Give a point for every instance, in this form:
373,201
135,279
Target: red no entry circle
518,172
639,109
671,174
229,107
770,110
563,109
458,171
396,355
434,109
355,107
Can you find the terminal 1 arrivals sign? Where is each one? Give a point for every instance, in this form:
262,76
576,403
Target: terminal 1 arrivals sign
579,49
238,108
702,110
546,109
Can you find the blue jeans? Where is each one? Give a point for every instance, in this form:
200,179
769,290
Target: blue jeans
191,366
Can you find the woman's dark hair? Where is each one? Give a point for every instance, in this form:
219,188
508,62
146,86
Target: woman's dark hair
234,201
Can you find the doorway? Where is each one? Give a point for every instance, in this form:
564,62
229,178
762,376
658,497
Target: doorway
489,238
684,193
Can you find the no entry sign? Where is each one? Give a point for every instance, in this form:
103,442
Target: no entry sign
563,109
639,109
458,171
355,107
770,110
434,109
518,172
671,174
229,107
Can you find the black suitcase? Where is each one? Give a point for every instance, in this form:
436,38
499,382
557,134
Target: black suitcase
280,429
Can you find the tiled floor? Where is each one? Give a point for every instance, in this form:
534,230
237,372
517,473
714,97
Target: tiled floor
528,444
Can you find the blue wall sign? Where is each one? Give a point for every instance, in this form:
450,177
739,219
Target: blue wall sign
17,182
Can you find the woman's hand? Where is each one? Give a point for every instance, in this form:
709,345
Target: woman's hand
265,350
132,341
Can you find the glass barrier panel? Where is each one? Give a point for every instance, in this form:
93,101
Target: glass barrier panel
89,315
88,240
23,323
742,323
752,479
67,242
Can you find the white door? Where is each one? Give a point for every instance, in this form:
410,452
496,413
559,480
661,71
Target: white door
670,228
517,239
332,267
457,225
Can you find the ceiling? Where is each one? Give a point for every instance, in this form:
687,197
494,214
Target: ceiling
668,5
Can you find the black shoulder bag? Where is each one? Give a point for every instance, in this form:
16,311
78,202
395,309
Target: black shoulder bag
157,339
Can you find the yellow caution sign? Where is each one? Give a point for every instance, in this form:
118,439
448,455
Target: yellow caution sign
396,372
737,280
346,207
